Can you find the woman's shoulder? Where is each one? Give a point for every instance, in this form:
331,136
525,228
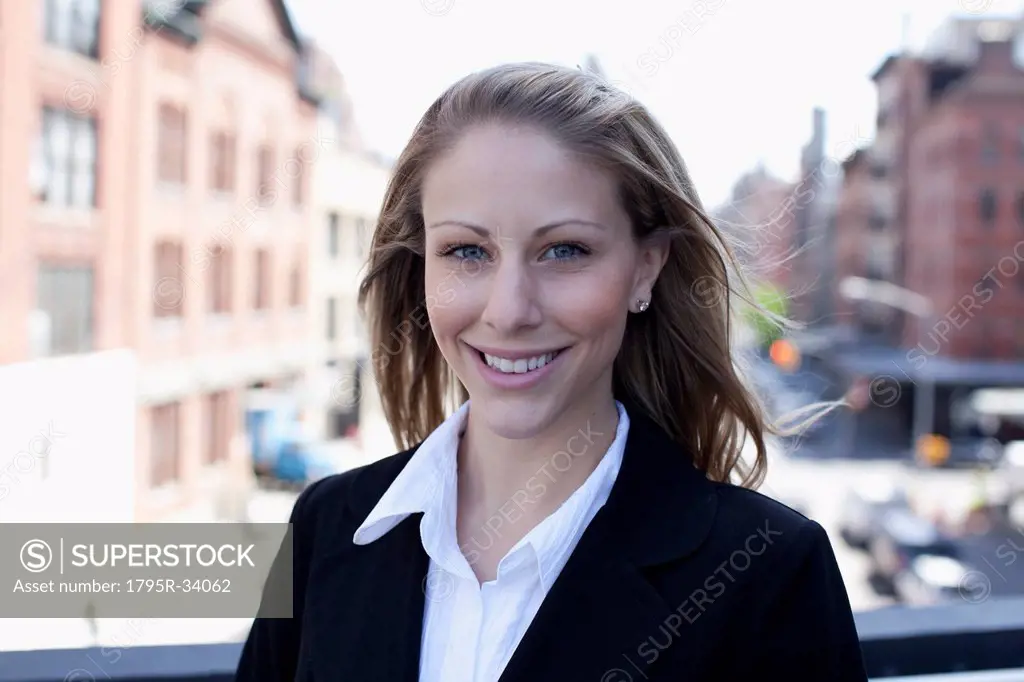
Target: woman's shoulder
739,507
776,542
791,599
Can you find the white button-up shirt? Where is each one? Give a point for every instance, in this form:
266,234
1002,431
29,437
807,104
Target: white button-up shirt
470,631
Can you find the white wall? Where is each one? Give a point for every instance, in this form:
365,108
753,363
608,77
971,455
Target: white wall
351,183
67,439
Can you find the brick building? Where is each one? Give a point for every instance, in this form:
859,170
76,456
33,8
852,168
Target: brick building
758,217
902,83
856,222
933,213
964,235
945,206
155,159
814,231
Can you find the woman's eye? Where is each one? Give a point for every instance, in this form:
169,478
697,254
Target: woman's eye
565,251
468,252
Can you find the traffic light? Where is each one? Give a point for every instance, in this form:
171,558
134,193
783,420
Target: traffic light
784,354
933,450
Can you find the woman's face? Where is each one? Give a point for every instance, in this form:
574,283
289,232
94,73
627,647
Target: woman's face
531,270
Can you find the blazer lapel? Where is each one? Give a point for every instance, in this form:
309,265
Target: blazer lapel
378,597
602,608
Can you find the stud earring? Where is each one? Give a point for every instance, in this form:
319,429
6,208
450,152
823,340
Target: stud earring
642,304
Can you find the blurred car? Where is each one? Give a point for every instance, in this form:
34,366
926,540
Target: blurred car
1012,467
935,577
863,508
913,560
1010,473
269,419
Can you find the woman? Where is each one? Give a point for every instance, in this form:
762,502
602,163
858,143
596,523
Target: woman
543,267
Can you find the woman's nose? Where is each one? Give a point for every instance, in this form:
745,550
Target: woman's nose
512,299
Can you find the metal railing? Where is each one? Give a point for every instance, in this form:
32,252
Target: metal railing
952,643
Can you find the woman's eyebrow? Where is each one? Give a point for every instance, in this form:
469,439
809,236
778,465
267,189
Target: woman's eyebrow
543,229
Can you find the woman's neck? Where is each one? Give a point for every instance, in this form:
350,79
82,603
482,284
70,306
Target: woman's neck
506,487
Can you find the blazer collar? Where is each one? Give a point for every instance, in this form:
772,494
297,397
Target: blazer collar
661,509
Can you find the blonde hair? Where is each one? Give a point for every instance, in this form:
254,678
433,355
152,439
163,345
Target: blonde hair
676,362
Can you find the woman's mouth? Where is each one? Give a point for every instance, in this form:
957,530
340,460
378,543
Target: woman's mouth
518,365
508,370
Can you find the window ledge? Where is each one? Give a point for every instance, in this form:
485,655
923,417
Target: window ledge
171,190
73,217
219,320
168,326
164,495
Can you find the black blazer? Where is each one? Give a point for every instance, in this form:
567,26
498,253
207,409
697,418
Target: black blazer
676,578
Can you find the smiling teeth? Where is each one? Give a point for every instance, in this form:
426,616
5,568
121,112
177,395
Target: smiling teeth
521,366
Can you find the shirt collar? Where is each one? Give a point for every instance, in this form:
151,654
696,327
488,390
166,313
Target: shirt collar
428,485
421,486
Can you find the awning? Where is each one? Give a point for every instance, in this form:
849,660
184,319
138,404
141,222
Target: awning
910,366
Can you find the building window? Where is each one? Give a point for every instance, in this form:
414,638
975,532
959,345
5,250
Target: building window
264,175
172,150
332,235
64,295
262,283
295,286
220,276
169,285
217,420
987,206
298,167
73,25
985,284
1020,144
165,442
990,144
332,319
67,159
222,162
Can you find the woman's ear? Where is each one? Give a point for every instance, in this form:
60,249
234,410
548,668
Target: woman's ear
651,258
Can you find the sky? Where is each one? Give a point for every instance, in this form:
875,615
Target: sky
733,81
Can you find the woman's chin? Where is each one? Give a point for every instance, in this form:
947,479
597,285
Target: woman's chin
509,420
